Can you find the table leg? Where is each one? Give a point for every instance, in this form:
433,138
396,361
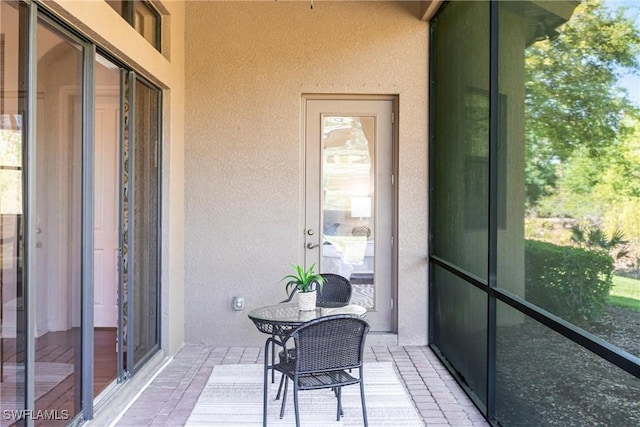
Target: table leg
265,385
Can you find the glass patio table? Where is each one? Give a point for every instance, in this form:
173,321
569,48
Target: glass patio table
281,319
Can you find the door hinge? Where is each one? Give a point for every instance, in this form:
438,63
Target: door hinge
393,179
391,303
393,117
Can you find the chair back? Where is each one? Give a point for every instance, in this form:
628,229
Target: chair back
336,289
330,343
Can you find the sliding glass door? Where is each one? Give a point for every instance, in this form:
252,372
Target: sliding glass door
56,286
13,140
79,220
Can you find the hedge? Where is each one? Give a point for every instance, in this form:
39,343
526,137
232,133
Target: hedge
570,282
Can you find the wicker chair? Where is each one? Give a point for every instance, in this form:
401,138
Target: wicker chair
335,291
326,350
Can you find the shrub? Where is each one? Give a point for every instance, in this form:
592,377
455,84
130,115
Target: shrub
570,282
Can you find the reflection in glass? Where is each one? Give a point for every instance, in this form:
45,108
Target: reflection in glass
543,379
572,241
58,214
460,331
12,143
348,164
459,162
460,157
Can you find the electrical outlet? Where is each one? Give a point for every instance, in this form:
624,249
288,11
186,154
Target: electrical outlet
238,303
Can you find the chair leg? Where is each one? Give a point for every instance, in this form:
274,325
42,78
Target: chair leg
364,407
339,398
295,401
282,380
284,396
335,392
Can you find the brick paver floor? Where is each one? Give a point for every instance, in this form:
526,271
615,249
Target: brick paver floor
170,397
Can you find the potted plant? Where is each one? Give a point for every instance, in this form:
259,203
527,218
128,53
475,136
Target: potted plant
305,282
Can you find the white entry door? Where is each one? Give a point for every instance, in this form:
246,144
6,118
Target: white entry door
349,198
106,211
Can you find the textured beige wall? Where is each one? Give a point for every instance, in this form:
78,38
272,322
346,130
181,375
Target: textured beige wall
247,66
103,25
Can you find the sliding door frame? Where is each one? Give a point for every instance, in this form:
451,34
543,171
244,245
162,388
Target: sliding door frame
37,15
29,196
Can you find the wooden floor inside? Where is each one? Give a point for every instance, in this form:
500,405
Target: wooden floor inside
64,348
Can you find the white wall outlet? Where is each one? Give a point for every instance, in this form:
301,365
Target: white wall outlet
238,303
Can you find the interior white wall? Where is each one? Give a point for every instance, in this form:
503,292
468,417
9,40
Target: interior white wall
247,66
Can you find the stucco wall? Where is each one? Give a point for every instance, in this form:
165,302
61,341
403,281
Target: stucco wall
247,66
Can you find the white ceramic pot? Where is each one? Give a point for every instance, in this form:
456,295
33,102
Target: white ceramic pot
307,301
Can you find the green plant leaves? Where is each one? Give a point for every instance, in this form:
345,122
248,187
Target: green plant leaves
304,280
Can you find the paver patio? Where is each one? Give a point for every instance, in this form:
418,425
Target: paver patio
172,394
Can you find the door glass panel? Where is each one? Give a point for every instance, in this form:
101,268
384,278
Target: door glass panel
145,223
12,143
58,217
349,198
348,165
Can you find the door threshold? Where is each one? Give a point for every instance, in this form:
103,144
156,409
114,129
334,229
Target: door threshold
111,405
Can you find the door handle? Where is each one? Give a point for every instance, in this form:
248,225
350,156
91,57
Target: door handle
312,245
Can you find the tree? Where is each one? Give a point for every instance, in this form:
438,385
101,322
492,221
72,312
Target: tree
574,106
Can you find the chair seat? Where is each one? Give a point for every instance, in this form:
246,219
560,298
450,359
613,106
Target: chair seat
336,378
317,379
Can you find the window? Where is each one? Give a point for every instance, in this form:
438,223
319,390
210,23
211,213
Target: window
142,16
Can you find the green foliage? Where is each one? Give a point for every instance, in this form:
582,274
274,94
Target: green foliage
303,280
591,236
625,293
574,106
570,282
11,180
625,214
623,302
626,287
